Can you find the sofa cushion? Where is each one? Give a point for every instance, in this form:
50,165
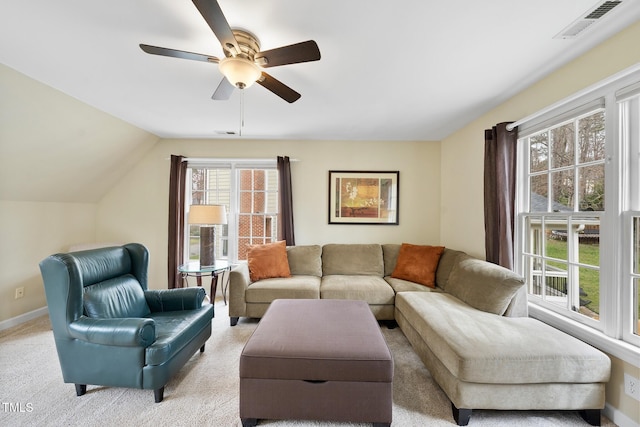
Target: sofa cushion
305,260
448,260
352,259
418,263
480,347
267,261
294,287
372,289
174,330
115,298
483,285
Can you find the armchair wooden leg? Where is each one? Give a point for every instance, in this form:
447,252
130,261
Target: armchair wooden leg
202,348
81,389
158,394
233,321
249,422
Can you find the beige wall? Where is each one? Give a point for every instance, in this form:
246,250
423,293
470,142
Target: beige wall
30,232
59,157
137,207
462,218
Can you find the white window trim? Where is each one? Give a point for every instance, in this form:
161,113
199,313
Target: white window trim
610,339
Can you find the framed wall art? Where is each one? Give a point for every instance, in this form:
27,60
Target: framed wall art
363,197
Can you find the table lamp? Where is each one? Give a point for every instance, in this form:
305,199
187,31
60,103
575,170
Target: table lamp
206,216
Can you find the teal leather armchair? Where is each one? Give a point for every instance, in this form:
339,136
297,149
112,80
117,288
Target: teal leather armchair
110,330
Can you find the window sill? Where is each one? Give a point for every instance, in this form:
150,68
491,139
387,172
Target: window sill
617,348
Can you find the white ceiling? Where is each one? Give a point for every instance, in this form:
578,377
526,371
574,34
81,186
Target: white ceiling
390,70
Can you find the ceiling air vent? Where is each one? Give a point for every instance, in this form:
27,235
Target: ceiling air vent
592,16
602,9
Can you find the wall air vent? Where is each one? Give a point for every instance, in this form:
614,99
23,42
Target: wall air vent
591,17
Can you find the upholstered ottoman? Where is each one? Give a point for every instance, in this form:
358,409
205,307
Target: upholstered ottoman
317,360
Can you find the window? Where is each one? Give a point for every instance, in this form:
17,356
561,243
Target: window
578,198
258,208
209,187
250,193
565,180
629,109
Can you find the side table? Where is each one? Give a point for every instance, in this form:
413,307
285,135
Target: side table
193,269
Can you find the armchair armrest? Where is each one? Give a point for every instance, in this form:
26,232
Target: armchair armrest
123,332
174,299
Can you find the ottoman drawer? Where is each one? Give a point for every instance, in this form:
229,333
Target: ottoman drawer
354,401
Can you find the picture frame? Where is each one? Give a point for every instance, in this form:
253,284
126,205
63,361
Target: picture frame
364,197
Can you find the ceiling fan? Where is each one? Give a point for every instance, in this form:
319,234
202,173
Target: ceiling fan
243,61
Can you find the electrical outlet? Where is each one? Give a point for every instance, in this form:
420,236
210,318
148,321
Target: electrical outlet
632,386
19,292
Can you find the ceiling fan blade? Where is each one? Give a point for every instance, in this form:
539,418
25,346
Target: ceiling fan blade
212,13
224,90
292,54
173,53
279,88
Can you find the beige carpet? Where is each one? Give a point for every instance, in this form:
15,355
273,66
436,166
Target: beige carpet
205,391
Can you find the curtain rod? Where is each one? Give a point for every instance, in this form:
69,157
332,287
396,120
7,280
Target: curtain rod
577,95
234,159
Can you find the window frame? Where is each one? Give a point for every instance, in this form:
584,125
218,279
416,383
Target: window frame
234,165
612,335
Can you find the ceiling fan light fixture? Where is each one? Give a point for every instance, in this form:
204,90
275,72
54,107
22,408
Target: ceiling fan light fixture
240,72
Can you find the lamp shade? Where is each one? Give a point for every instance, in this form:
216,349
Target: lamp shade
240,72
207,214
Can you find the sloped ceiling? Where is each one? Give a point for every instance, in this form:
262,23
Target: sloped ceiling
56,148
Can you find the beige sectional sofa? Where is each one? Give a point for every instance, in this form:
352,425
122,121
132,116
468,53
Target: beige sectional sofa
471,330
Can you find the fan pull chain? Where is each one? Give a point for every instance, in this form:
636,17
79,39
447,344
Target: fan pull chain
241,112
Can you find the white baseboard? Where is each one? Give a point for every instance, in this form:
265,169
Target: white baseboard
15,321
618,418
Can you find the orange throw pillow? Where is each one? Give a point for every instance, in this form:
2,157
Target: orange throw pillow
268,261
418,264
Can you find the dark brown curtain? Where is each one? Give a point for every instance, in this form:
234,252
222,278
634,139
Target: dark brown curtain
177,194
285,217
499,193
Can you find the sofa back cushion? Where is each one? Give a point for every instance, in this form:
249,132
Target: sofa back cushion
483,285
390,252
115,298
305,260
448,260
97,265
363,259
